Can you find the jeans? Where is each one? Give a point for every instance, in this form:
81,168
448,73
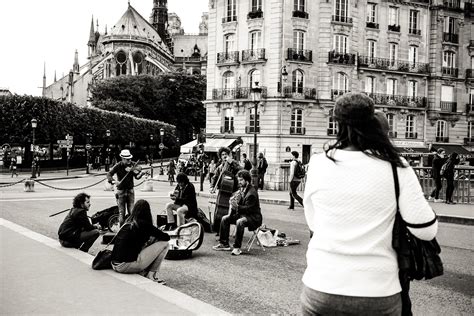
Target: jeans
261,176
439,186
86,240
294,195
125,199
318,303
240,223
149,259
449,188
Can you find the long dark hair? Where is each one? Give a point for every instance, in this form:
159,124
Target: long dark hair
141,212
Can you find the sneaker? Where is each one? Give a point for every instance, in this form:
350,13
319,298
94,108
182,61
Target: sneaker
438,200
236,252
222,247
430,198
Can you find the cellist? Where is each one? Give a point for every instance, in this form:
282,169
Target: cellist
224,180
126,170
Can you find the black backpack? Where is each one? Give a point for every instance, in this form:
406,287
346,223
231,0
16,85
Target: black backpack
300,172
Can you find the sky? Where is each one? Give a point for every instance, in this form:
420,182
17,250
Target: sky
34,32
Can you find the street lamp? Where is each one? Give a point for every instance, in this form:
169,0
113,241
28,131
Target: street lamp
107,150
256,96
162,133
151,155
283,78
34,124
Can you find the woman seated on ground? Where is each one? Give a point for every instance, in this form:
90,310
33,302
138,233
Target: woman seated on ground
134,251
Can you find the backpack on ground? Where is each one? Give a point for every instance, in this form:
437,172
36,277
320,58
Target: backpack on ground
204,221
300,172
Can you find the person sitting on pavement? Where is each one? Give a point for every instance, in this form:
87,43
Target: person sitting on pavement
139,246
76,231
245,212
185,203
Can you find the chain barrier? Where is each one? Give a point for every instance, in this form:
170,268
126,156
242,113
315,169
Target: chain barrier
11,184
69,189
136,185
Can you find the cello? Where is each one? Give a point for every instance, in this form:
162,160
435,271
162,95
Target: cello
226,184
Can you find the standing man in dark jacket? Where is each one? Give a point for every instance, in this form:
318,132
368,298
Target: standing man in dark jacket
261,168
245,213
76,231
438,162
247,165
185,203
452,161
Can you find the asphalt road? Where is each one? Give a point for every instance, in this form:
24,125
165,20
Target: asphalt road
258,282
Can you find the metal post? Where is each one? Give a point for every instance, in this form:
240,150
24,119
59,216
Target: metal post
254,171
107,151
33,167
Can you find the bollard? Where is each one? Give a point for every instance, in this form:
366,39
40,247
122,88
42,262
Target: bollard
29,186
148,186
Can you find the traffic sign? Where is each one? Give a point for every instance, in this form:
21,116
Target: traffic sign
69,137
62,142
161,146
88,146
65,146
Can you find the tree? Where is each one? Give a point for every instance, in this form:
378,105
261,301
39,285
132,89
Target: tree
174,98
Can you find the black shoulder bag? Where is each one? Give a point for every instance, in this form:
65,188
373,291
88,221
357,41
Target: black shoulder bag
417,259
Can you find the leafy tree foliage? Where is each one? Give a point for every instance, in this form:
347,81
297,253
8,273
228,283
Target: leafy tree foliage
174,98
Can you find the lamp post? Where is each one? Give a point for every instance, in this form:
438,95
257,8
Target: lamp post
107,150
151,155
88,156
256,95
162,133
283,78
34,124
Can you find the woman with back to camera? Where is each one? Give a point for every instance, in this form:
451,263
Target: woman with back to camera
134,251
350,205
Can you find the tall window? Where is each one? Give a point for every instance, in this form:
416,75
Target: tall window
392,86
254,77
341,10
412,89
255,39
391,125
299,5
341,82
393,53
370,85
297,121
441,129
252,121
231,9
256,5
414,23
340,44
449,59
371,49
447,93
371,12
332,124
298,40
298,81
413,55
229,40
449,25
228,120
470,130
471,96
410,127
393,16
121,63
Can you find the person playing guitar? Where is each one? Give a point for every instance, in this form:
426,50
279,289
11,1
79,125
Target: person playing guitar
126,170
225,180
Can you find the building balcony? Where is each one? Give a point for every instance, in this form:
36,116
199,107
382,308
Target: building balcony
335,93
451,38
341,58
300,93
452,5
300,14
342,19
372,25
414,31
244,92
258,14
468,9
230,18
469,74
250,129
304,55
332,132
469,141
398,100
469,109
411,135
450,71
442,139
297,130
253,55
392,134
235,93
450,107
394,28
227,129
227,58
393,65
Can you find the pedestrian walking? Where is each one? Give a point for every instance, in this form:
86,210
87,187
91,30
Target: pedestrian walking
350,204
98,163
13,167
452,161
37,166
437,163
212,170
296,175
171,171
262,166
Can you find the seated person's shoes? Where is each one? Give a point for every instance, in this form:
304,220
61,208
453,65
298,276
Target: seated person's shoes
222,247
236,252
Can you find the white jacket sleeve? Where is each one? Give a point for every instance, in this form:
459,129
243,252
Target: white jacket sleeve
309,190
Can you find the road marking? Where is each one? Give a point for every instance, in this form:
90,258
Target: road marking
68,198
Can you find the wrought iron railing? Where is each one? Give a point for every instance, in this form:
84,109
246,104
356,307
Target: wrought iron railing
451,38
332,132
299,93
414,31
411,135
450,71
392,134
253,54
469,73
394,28
250,129
342,19
244,92
468,9
255,14
335,93
442,139
300,14
468,140
230,18
471,43
341,58
448,106
227,58
372,25
297,130
227,129
470,109
398,100
393,64
452,4
235,93
300,54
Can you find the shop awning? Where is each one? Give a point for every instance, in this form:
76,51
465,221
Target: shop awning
213,144
413,151
188,148
452,148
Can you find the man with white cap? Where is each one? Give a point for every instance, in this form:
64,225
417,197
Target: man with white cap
126,171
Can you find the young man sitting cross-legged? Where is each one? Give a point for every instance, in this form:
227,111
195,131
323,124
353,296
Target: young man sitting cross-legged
184,204
245,212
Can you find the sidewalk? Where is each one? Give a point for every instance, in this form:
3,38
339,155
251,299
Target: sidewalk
40,277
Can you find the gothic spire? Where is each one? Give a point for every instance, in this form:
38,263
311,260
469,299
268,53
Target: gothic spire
43,92
75,67
91,34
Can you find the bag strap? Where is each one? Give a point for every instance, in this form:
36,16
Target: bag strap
115,236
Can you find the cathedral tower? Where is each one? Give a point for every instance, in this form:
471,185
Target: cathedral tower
159,20
92,43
